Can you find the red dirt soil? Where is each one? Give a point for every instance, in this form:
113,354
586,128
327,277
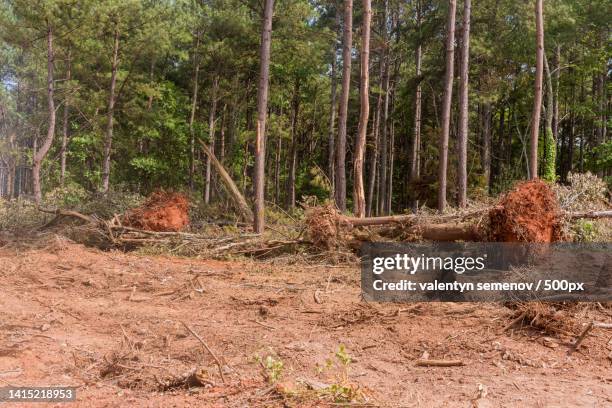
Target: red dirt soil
529,213
109,323
163,211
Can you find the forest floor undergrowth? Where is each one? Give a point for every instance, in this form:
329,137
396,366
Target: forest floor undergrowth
113,324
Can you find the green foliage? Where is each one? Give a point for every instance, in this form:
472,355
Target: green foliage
161,42
585,231
273,368
549,158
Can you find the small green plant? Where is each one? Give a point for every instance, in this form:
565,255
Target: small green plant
343,356
341,390
273,368
585,231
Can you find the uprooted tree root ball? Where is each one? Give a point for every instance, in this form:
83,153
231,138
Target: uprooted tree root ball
528,213
323,226
163,211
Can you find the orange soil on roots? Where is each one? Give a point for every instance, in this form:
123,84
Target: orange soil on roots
163,211
529,213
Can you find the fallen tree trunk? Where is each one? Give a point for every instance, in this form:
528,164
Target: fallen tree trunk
239,199
589,214
401,219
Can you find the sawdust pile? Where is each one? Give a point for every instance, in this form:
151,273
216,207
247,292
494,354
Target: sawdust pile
529,213
162,211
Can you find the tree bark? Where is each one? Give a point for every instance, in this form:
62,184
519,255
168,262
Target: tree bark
359,191
486,144
537,100
384,138
277,164
463,107
262,108
416,136
65,128
332,112
108,141
550,143
211,135
375,142
194,104
446,108
295,111
40,153
343,109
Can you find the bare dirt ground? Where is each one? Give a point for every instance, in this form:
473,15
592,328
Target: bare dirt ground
110,324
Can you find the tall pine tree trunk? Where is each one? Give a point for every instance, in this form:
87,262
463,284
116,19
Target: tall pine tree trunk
65,128
416,135
537,100
550,143
211,136
359,191
108,141
375,140
384,138
343,109
194,104
486,144
389,197
295,111
262,108
446,107
463,107
40,153
332,112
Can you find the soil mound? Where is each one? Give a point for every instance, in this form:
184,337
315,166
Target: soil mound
163,211
529,213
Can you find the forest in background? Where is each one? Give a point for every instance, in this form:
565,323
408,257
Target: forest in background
116,95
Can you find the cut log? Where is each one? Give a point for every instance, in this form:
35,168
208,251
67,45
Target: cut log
589,214
239,199
404,218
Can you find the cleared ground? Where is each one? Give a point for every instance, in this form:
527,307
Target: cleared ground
111,324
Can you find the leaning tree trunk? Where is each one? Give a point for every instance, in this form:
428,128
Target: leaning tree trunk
40,153
359,191
537,100
211,136
463,107
446,107
233,190
108,141
65,128
194,104
262,107
343,109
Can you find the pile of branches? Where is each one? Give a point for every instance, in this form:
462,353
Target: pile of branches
112,233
